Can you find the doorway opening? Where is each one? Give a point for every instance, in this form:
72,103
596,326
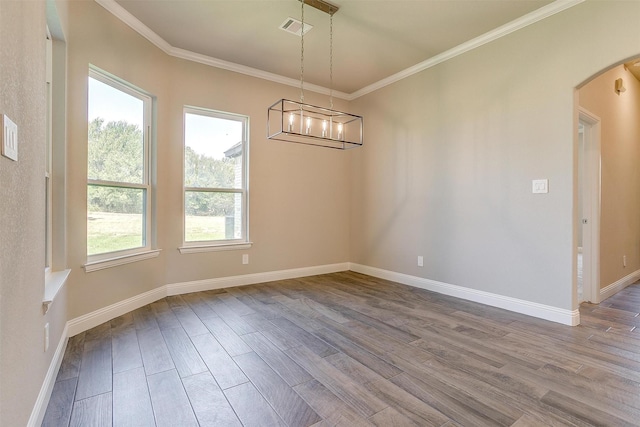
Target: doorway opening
588,238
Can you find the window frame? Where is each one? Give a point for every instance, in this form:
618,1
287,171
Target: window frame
55,271
95,261
48,176
221,244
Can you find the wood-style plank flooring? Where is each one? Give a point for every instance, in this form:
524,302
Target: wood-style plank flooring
346,349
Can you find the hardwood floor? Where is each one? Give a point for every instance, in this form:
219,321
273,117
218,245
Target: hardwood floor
346,349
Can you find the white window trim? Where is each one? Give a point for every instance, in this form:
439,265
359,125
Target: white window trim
111,259
226,246
115,261
55,274
54,281
222,244
48,163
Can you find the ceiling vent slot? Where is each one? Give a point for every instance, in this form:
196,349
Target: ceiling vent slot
293,26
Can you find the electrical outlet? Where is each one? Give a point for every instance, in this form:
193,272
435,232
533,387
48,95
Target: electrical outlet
540,186
245,258
9,138
46,337
420,261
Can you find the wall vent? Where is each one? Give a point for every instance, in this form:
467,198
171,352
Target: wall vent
293,26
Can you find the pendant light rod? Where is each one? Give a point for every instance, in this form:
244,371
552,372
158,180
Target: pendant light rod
331,62
302,3
322,5
303,123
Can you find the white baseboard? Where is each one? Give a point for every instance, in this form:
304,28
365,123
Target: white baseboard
40,407
619,285
554,314
251,279
95,318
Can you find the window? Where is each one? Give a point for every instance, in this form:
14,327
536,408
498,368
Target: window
55,271
48,153
118,172
215,179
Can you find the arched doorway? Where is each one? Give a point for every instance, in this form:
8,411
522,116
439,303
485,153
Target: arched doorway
608,182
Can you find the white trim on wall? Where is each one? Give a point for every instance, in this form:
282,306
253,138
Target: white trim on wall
619,285
591,193
121,260
537,15
122,14
251,279
542,311
510,27
253,72
567,317
95,318
40,407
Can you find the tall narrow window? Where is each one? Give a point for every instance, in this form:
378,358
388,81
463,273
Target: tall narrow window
215,178
118,175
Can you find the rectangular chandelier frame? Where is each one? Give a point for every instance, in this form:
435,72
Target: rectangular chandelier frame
293,121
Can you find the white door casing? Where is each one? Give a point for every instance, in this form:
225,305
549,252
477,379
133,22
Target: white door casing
590,222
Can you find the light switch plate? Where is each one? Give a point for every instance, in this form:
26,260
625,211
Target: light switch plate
540,186
9,138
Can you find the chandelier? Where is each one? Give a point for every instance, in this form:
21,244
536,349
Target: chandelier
298,122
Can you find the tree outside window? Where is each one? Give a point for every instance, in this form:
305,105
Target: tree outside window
215,181
118,190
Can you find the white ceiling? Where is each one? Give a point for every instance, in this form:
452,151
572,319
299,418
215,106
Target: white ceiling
373,39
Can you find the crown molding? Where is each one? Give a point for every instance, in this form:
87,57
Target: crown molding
524,21
249,71
544,12
122,14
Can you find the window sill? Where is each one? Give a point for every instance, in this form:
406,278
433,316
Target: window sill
215,247
121,260
53,283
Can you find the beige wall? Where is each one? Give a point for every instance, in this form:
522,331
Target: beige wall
620,179
23,362
445,172
451,152
299,196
